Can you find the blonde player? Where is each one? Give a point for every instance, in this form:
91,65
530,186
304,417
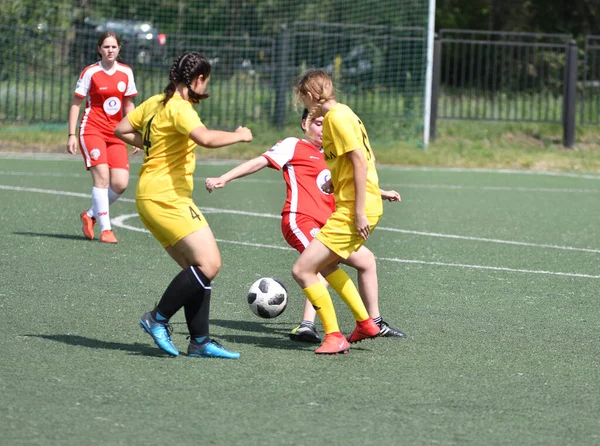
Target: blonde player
359,208
168,129
307,207
108,87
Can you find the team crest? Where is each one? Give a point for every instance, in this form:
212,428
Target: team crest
95,154
323,177
121,86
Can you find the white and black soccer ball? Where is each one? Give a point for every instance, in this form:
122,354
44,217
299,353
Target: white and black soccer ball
267,297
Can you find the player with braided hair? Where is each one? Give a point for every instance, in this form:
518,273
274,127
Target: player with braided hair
358,209
167,128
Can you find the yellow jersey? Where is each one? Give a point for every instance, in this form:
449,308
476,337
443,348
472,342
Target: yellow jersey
344,132
169,158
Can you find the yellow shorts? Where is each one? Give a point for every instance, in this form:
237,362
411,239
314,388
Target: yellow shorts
170,221
340,235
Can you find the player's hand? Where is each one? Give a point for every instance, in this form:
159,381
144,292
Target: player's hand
327,187
214,183
362,225
390,195
72,145
245,134
135,150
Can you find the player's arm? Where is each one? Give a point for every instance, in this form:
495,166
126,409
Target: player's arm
213,139
72,124
247,168
125,132
390,195
359,166
128,105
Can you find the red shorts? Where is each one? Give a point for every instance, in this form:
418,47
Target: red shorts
299,229
96,150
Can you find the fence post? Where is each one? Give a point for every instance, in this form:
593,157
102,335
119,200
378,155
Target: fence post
435,86
281,68
570,92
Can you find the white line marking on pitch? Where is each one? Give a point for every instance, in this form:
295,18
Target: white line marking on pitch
276,216
120,222
398,185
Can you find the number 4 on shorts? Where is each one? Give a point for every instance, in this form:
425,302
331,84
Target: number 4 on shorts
195,214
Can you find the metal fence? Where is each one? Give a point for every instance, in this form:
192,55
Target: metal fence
381,70
501,76
477,75
590,87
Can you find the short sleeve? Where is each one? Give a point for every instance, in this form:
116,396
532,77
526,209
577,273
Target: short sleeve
282,152
186,119
136,116
344,134
131,88
83,84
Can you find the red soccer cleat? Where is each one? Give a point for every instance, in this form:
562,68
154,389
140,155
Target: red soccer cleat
334,343
107,236
88,225
364,330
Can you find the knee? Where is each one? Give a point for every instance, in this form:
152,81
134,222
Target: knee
211,268
119,187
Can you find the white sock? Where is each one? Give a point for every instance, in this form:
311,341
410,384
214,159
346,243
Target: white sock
112,196
100,207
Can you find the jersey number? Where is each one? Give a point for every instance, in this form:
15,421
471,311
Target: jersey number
146,139
195,214
365,141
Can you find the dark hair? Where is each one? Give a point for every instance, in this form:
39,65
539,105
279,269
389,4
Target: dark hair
185,68
105,35
304,116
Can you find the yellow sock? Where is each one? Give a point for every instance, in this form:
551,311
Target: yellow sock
343,285
319,297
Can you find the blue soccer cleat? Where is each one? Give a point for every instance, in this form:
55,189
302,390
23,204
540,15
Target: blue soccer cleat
159,333
211,349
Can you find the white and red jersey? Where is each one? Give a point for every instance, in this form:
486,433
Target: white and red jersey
304,172
104,91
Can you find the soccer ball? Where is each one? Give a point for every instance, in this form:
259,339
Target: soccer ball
267,297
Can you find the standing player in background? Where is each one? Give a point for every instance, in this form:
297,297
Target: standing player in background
168,128
108,88
306,209
358,209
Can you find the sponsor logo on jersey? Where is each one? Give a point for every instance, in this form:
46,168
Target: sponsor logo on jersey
314,157
121,86
112,106
95,154
323,177
330,156
102,88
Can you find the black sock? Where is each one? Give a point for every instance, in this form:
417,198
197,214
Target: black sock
184,286
197,308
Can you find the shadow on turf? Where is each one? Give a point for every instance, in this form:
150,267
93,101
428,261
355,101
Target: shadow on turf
80,341
60,236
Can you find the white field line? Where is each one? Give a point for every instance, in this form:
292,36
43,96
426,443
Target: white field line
120,222
62,157
200,180
276,216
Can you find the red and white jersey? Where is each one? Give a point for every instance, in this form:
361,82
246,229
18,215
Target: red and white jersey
104,91
304,172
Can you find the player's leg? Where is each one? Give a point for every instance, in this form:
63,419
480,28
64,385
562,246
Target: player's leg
365,264
340,236
192,245
95,157
305,271
298,230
